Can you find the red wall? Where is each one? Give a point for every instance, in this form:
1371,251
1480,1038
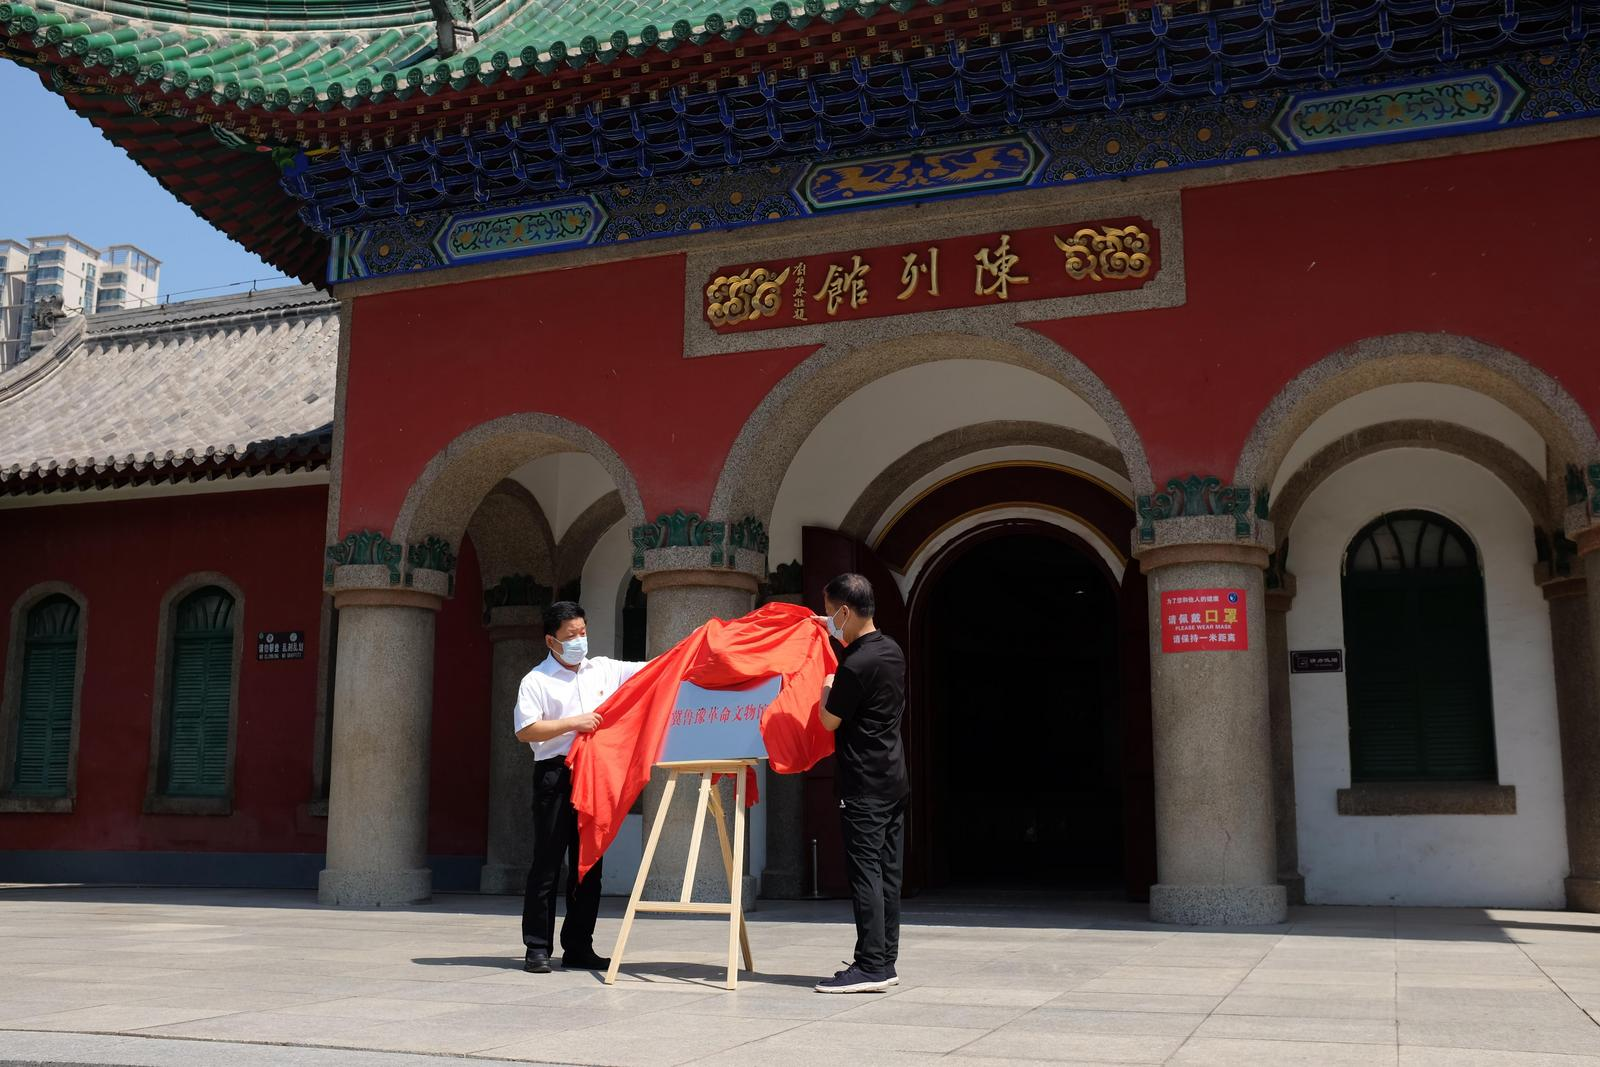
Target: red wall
1499,246
123,557
602,346
458,768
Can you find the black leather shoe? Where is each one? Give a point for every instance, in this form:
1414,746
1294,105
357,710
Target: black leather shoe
537,961
585,961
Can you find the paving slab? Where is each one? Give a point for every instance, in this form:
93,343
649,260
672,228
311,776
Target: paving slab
271,979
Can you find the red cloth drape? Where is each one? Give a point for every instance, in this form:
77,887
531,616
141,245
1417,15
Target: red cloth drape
611,766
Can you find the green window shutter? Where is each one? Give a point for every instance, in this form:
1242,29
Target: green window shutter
44,713
1453,683
1385,738
202,690
1417,671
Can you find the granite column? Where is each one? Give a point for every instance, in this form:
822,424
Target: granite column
1216,849
383,706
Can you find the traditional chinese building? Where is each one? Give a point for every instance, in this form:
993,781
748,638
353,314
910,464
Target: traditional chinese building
1209,391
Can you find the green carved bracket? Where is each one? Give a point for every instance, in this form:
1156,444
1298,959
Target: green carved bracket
1557,551
1577,492
1197,495
684,529
432,553
368,548
786,579
515,591
747,535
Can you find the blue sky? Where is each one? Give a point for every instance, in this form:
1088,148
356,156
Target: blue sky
75,181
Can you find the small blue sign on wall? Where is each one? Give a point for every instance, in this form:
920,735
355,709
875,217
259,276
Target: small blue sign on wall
718,724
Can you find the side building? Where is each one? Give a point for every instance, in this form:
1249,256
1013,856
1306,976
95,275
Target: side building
168,648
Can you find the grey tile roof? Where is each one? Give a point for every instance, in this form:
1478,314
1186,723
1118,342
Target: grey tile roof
196,389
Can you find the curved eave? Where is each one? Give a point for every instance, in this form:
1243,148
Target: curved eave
291,454
257,67
238,192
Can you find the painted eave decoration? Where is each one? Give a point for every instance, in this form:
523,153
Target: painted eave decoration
302,128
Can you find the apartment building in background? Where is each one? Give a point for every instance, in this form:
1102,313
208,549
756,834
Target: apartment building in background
13,282
63,275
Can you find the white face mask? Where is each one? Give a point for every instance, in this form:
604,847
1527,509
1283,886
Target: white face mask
573,650
835,630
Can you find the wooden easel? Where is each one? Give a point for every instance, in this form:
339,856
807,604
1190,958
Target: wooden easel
732,862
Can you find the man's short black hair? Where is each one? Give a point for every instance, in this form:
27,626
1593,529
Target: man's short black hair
560,613
854,592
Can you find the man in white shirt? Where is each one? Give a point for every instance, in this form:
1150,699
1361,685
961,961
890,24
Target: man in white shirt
557,701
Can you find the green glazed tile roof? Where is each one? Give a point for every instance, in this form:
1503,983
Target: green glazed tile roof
324,54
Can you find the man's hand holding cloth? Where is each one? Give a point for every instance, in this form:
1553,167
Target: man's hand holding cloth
611,766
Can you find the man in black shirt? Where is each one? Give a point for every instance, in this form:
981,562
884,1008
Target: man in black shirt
862,704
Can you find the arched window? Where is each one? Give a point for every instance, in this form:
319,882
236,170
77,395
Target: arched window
198,715
1417,677
45,699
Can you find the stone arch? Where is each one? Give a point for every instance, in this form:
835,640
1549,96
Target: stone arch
1486,451
455,482
908,469
1422,357
1088,540
511,534
573,551
773,434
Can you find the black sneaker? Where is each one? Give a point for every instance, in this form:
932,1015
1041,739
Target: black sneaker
894,978
855,980
585,961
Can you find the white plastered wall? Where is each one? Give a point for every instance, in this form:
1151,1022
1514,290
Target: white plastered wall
887,418
1415,400
609,566
1472,860
564,483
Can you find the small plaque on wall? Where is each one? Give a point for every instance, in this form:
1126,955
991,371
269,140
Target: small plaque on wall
280,644
1317,661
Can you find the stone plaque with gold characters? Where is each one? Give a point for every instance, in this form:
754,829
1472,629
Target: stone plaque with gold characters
1045,262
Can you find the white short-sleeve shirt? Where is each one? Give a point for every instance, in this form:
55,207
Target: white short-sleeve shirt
551,691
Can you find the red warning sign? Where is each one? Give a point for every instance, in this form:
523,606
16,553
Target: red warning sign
1203,620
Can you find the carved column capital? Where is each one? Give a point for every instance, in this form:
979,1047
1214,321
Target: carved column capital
653,580
687,541
1587,538
1200,520
369,585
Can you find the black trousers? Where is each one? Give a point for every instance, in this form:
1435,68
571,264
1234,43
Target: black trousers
875,858
555,837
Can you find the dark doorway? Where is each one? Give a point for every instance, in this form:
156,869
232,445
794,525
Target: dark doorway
1022,711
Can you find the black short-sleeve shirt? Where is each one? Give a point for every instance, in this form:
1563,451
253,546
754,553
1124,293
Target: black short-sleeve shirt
869,694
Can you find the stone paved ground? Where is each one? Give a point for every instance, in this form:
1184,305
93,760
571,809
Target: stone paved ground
985,983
